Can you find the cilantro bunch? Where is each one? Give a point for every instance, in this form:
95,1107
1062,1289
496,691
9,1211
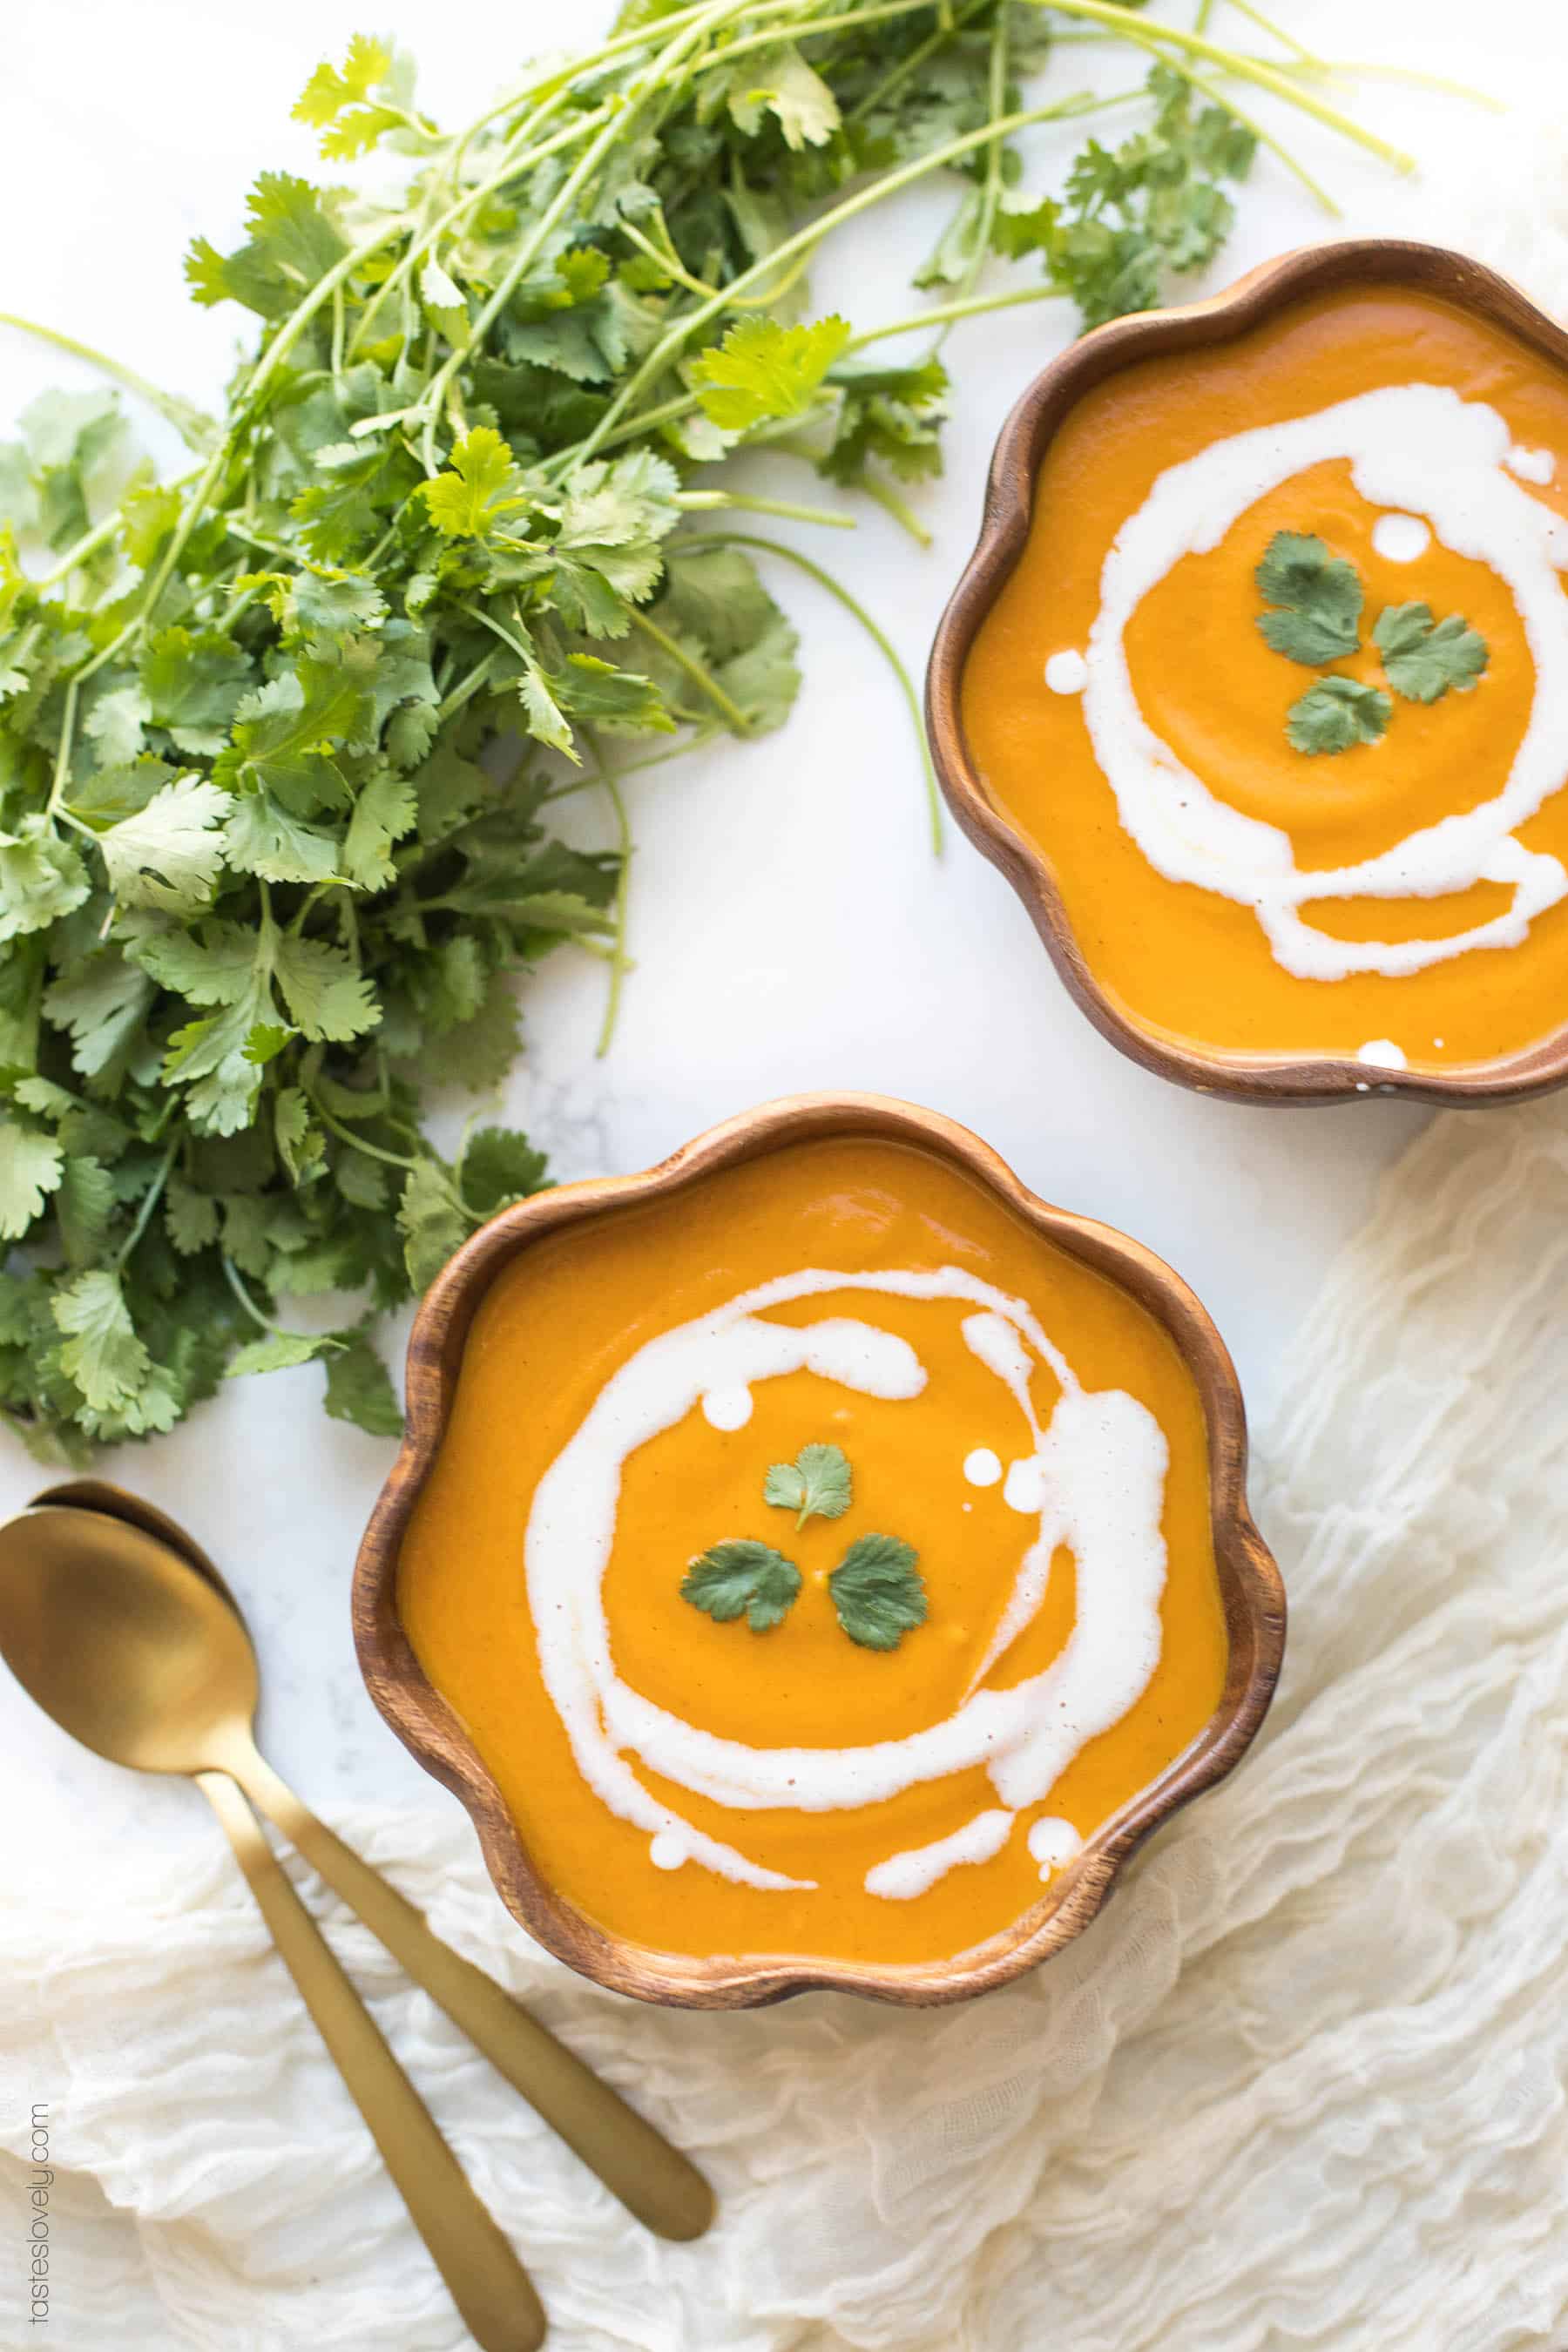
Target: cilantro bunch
280,740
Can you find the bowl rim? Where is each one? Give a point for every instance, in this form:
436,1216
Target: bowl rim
1008,515
1251,1589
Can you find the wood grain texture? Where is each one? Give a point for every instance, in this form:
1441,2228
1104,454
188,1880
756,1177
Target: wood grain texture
1004,527
1252,1593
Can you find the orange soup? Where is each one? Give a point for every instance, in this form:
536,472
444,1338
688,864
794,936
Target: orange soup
817,1557
1279,686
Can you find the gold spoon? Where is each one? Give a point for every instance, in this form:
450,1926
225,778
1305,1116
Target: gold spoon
652,2180
130,1649
117,1632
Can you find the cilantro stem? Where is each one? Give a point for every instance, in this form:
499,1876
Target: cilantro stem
1266,23
991,190
1220,98
467,688
429,234
673,650
149,1201
1359,69
358,1142
947,26
1276,78
815,26
231,1276
660,71
193,425
619,964
879,637
969,308
715,501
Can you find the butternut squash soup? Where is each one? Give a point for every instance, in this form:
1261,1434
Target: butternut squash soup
1279,686
817,1556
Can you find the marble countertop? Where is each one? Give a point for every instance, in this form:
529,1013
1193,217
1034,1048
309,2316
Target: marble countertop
789,926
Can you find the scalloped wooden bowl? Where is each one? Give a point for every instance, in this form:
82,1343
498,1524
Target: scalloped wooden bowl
1252,1596
1004,530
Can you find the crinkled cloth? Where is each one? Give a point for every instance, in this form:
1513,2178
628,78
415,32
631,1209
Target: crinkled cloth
1301,2084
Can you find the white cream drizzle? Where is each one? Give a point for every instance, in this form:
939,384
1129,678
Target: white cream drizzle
983,1468
1100,1464
1413,448
904,1875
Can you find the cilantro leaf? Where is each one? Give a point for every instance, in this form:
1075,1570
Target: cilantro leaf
102,1354
878,1591
741,1577
480,486
279,1351
761,371
1336,714
167,855
341,106
432,1225
359,1388
778,81
31,1167
1423,658
816,1481
1320,598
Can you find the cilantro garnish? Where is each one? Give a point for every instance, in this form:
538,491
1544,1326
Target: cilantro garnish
878,1591
1317,600
281,739
1337,713
875,1591
1318,596
816,1481
742,1578
1423,658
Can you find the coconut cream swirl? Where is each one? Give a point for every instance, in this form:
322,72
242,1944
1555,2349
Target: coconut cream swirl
1417,448
1094,1480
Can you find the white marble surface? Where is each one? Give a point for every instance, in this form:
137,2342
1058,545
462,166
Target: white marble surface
790,927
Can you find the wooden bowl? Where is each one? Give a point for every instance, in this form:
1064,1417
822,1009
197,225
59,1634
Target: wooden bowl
1004,530
1252,1593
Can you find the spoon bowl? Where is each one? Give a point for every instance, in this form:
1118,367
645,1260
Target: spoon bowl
123,1641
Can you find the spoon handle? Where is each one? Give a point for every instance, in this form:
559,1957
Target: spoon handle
487,2284
635,2162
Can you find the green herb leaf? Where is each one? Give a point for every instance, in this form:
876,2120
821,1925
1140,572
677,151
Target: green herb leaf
1337,713
742,1577
878,1591
761,371
1422,657
279,1351
31,1167
359,1388
816,1481
1320,598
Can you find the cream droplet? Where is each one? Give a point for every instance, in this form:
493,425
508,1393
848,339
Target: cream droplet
1067,672
1401,537
1054,1842
668,1850
1532,465
981,1468
726,1408
1437,1040
1383,1054
1025,1487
